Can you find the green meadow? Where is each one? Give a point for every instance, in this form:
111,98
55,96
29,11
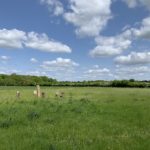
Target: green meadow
89,118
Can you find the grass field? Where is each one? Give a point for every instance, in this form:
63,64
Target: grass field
85,119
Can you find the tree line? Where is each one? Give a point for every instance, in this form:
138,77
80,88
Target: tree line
28,80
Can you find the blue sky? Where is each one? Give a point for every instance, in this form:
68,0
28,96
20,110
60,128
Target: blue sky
76,39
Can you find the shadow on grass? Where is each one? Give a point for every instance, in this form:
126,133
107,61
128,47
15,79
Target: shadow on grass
6,123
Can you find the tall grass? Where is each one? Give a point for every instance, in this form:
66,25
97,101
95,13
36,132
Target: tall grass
85,119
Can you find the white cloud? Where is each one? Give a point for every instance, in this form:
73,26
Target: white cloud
33,60
43,43
134,58
133,70
36,73
4,70
135,3
109,46
60,64
96,73
131,3
136,72
11,38
19,39
4,58
54,6
115,45
144,31
89,17
96,66
60,68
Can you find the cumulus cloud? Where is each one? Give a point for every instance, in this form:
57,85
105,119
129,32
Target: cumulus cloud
115,45
36,73
33,60
54,6
88,17
134,58
135,3
19,39
133,70
131,3
8,70
136,72
4,58
97,72
11,38
144,31
109,46
43,43
60,64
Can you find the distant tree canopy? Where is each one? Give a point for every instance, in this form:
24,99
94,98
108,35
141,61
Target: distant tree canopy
27,80
24,80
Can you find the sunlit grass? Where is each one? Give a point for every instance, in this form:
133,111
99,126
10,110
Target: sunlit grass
84,119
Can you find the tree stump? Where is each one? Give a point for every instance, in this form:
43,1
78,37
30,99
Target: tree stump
38,91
